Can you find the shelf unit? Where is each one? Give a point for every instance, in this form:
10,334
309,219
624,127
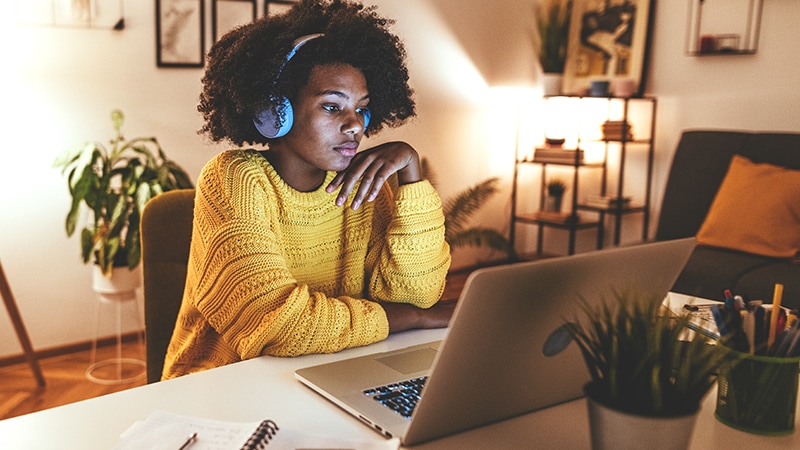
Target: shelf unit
581,215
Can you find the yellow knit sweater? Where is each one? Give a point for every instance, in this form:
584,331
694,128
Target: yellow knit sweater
281,272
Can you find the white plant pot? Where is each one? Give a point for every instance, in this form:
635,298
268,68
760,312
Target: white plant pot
551,83
613,429
122,280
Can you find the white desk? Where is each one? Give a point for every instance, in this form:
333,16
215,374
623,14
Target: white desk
266,388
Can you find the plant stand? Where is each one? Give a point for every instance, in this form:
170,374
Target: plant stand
113,296
19,327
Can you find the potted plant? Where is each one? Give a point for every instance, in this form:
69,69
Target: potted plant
115,183
647,379
555,195
550,42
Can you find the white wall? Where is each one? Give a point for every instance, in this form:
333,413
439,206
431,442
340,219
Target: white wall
58,86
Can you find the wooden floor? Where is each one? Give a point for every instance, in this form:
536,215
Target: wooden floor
67,382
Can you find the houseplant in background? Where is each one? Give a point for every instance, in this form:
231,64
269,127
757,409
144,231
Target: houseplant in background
550,41
555,195
648,375
115,183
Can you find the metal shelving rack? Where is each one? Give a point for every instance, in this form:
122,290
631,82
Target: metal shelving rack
573,220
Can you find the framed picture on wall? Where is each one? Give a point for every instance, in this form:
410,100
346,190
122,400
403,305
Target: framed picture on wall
608,40
228,14
180,27
272,7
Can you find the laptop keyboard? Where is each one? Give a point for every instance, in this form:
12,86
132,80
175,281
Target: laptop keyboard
400,397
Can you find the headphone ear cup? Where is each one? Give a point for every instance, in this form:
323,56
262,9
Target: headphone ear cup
367,116
266,120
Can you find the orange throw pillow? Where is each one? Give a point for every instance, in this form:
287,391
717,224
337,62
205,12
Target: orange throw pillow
756,210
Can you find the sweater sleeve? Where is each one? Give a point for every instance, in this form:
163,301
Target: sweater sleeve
410,256
244,290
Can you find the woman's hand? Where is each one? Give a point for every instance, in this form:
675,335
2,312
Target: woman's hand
373,167
403,316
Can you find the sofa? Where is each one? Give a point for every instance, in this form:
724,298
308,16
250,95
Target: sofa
744,211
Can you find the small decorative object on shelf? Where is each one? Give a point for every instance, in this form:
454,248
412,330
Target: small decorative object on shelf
721,27
617,130
554,142
557,155
555,195
606,201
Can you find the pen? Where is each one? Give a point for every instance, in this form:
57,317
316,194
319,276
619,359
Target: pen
777,297
192,437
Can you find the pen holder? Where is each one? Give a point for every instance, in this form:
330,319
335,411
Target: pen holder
758,394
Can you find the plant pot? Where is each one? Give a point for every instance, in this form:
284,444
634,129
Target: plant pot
122,280
614,429
552,203
551,83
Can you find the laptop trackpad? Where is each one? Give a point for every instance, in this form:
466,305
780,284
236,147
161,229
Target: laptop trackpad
410,362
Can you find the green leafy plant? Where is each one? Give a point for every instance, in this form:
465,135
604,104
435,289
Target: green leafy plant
556,187
552,23
639,361
458,211
115,184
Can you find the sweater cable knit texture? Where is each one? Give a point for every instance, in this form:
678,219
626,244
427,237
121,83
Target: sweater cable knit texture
281,272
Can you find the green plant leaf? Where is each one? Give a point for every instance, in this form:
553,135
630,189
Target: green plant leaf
87,244
460,208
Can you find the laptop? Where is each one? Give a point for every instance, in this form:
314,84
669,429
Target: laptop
506,352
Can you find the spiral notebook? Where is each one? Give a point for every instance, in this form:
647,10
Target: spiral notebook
169,431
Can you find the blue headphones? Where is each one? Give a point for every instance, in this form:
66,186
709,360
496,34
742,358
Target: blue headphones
265,121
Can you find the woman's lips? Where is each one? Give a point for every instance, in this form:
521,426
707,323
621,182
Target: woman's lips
348,148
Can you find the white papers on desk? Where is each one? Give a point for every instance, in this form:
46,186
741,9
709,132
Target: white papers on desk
699,310
167,431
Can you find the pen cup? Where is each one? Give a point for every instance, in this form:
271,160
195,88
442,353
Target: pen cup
758,394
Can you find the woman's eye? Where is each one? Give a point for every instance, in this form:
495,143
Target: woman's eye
362,111
330,108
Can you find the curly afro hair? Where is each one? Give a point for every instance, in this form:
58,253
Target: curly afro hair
247,66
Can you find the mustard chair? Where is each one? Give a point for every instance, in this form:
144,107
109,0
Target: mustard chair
166,232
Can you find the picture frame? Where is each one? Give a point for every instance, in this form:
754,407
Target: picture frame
609,40
272,7
101,14
180,26
228,14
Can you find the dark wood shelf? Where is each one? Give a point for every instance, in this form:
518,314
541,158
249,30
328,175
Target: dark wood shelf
630,209
578,222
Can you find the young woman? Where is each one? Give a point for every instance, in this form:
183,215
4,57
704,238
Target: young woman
302,248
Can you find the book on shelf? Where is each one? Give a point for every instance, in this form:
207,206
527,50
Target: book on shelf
170,431
560,155
614,130
606,201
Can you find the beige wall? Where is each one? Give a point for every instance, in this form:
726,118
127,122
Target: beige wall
57,87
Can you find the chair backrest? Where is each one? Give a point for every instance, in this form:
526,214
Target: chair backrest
166,233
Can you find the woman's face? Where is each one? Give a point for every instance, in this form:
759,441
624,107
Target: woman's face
328,126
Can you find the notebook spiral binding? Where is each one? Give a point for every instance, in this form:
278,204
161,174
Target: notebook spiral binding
260,438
